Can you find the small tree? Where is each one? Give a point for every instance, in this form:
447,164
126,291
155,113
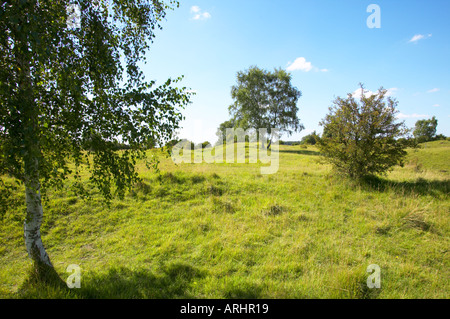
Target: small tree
264,99
425,130
221,132
310,139
363,138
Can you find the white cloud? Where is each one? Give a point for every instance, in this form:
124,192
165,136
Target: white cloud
391,91
414,115
436,105
367,93
418,37
300,64
198,14
195,9
202,16
433,90
357,93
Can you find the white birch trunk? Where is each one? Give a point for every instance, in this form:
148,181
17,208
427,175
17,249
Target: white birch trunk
32,225
33,220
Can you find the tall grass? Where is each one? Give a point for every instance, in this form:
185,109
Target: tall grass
227,231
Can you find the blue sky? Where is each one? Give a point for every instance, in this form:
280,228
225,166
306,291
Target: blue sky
326,45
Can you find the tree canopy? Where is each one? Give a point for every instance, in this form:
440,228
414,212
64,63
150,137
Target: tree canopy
425,130
70,92
310,138
363,137
264,99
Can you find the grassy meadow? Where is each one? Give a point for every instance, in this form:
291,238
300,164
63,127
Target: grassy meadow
227,231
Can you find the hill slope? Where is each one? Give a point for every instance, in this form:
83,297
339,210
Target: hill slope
226,231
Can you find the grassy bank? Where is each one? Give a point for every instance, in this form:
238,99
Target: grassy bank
227,231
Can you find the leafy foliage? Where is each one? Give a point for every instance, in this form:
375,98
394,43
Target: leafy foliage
74,93
310,138
221,132
362,138
264,99
425,130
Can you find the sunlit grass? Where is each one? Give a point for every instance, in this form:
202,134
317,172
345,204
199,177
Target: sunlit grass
228,231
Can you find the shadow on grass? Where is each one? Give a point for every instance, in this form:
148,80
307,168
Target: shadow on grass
420,186
301,152
175,281
171,282
244,292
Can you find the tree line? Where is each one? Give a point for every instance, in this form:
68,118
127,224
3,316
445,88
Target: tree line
360,137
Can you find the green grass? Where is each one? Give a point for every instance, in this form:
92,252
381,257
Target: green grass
226,231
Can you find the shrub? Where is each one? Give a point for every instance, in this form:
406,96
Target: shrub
363,138
310,139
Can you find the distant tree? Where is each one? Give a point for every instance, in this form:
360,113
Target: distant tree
69,92
264,99
203,145
221,132
310,139
168,146
363,138
425,130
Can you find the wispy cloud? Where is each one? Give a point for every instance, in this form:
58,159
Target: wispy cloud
418,37
300,64
202,16
357,93
436,105
367,93
433,90
414,115
391,91
195,9
198,14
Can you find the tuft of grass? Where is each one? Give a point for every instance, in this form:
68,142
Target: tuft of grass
220,205
214,190
417,220
274,210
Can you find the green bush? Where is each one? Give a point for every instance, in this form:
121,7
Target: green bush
363,138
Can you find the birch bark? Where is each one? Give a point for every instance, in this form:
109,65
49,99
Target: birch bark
30,140
33,221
